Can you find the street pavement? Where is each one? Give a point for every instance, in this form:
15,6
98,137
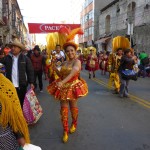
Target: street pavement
106,122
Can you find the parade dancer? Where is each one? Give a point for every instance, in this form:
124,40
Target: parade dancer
52,75
113,66
68,88
103,63
80,57
92,62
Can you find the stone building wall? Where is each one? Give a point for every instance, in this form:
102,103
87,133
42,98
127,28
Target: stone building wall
119,22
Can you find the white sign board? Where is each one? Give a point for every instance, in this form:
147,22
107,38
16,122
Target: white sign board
130,29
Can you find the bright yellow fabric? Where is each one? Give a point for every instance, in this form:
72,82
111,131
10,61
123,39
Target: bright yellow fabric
120,42
60,38
114,78
11,110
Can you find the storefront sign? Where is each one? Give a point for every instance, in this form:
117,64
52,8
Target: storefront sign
47,28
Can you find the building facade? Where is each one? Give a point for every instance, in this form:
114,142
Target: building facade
12,24
125,17
90,20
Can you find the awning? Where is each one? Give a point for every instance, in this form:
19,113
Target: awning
103,40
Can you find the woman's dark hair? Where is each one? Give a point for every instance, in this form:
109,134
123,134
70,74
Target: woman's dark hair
70,45
119,49
58,45
127,51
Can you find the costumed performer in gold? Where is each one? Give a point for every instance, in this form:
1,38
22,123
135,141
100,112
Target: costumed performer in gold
113,66
119,44
52,76
92,62
11,116
68,88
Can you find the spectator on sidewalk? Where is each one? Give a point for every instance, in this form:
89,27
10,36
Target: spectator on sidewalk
144,61
38,64
45,57
127,62
2,53
19,69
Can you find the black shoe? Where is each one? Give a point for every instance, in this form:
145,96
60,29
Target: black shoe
115,92
126,96
89,76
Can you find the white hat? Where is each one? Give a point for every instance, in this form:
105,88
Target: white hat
18,44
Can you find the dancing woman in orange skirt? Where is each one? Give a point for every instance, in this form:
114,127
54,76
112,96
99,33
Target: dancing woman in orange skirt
68,88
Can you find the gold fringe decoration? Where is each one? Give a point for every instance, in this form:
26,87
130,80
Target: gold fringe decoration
11,110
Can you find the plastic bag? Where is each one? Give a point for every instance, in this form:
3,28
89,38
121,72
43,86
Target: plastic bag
27,112
31,108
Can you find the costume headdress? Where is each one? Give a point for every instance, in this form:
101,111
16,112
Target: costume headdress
120,42
64,38
91,48
11,113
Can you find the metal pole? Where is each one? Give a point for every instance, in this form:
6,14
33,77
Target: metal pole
131,25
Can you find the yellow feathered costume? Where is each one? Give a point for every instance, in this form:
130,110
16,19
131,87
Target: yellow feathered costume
11,110
64,35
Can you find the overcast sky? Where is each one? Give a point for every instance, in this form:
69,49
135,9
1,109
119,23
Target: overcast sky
44,11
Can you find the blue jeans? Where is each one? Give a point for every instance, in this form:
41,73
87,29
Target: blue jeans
124,87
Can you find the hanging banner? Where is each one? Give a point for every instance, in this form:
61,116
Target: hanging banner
48,28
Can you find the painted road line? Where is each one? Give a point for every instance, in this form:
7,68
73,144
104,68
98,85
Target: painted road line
132,97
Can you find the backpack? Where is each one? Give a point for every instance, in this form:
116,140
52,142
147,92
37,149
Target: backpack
145,61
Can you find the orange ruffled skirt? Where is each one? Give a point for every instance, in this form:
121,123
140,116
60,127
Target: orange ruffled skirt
69,91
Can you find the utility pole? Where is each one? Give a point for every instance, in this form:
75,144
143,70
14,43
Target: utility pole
131,26
130,22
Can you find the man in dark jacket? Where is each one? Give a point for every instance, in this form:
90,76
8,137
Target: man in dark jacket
19,70
38,63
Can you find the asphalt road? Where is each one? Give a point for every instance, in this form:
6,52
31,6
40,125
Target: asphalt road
106,122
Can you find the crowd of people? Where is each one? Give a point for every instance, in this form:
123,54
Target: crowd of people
20,69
